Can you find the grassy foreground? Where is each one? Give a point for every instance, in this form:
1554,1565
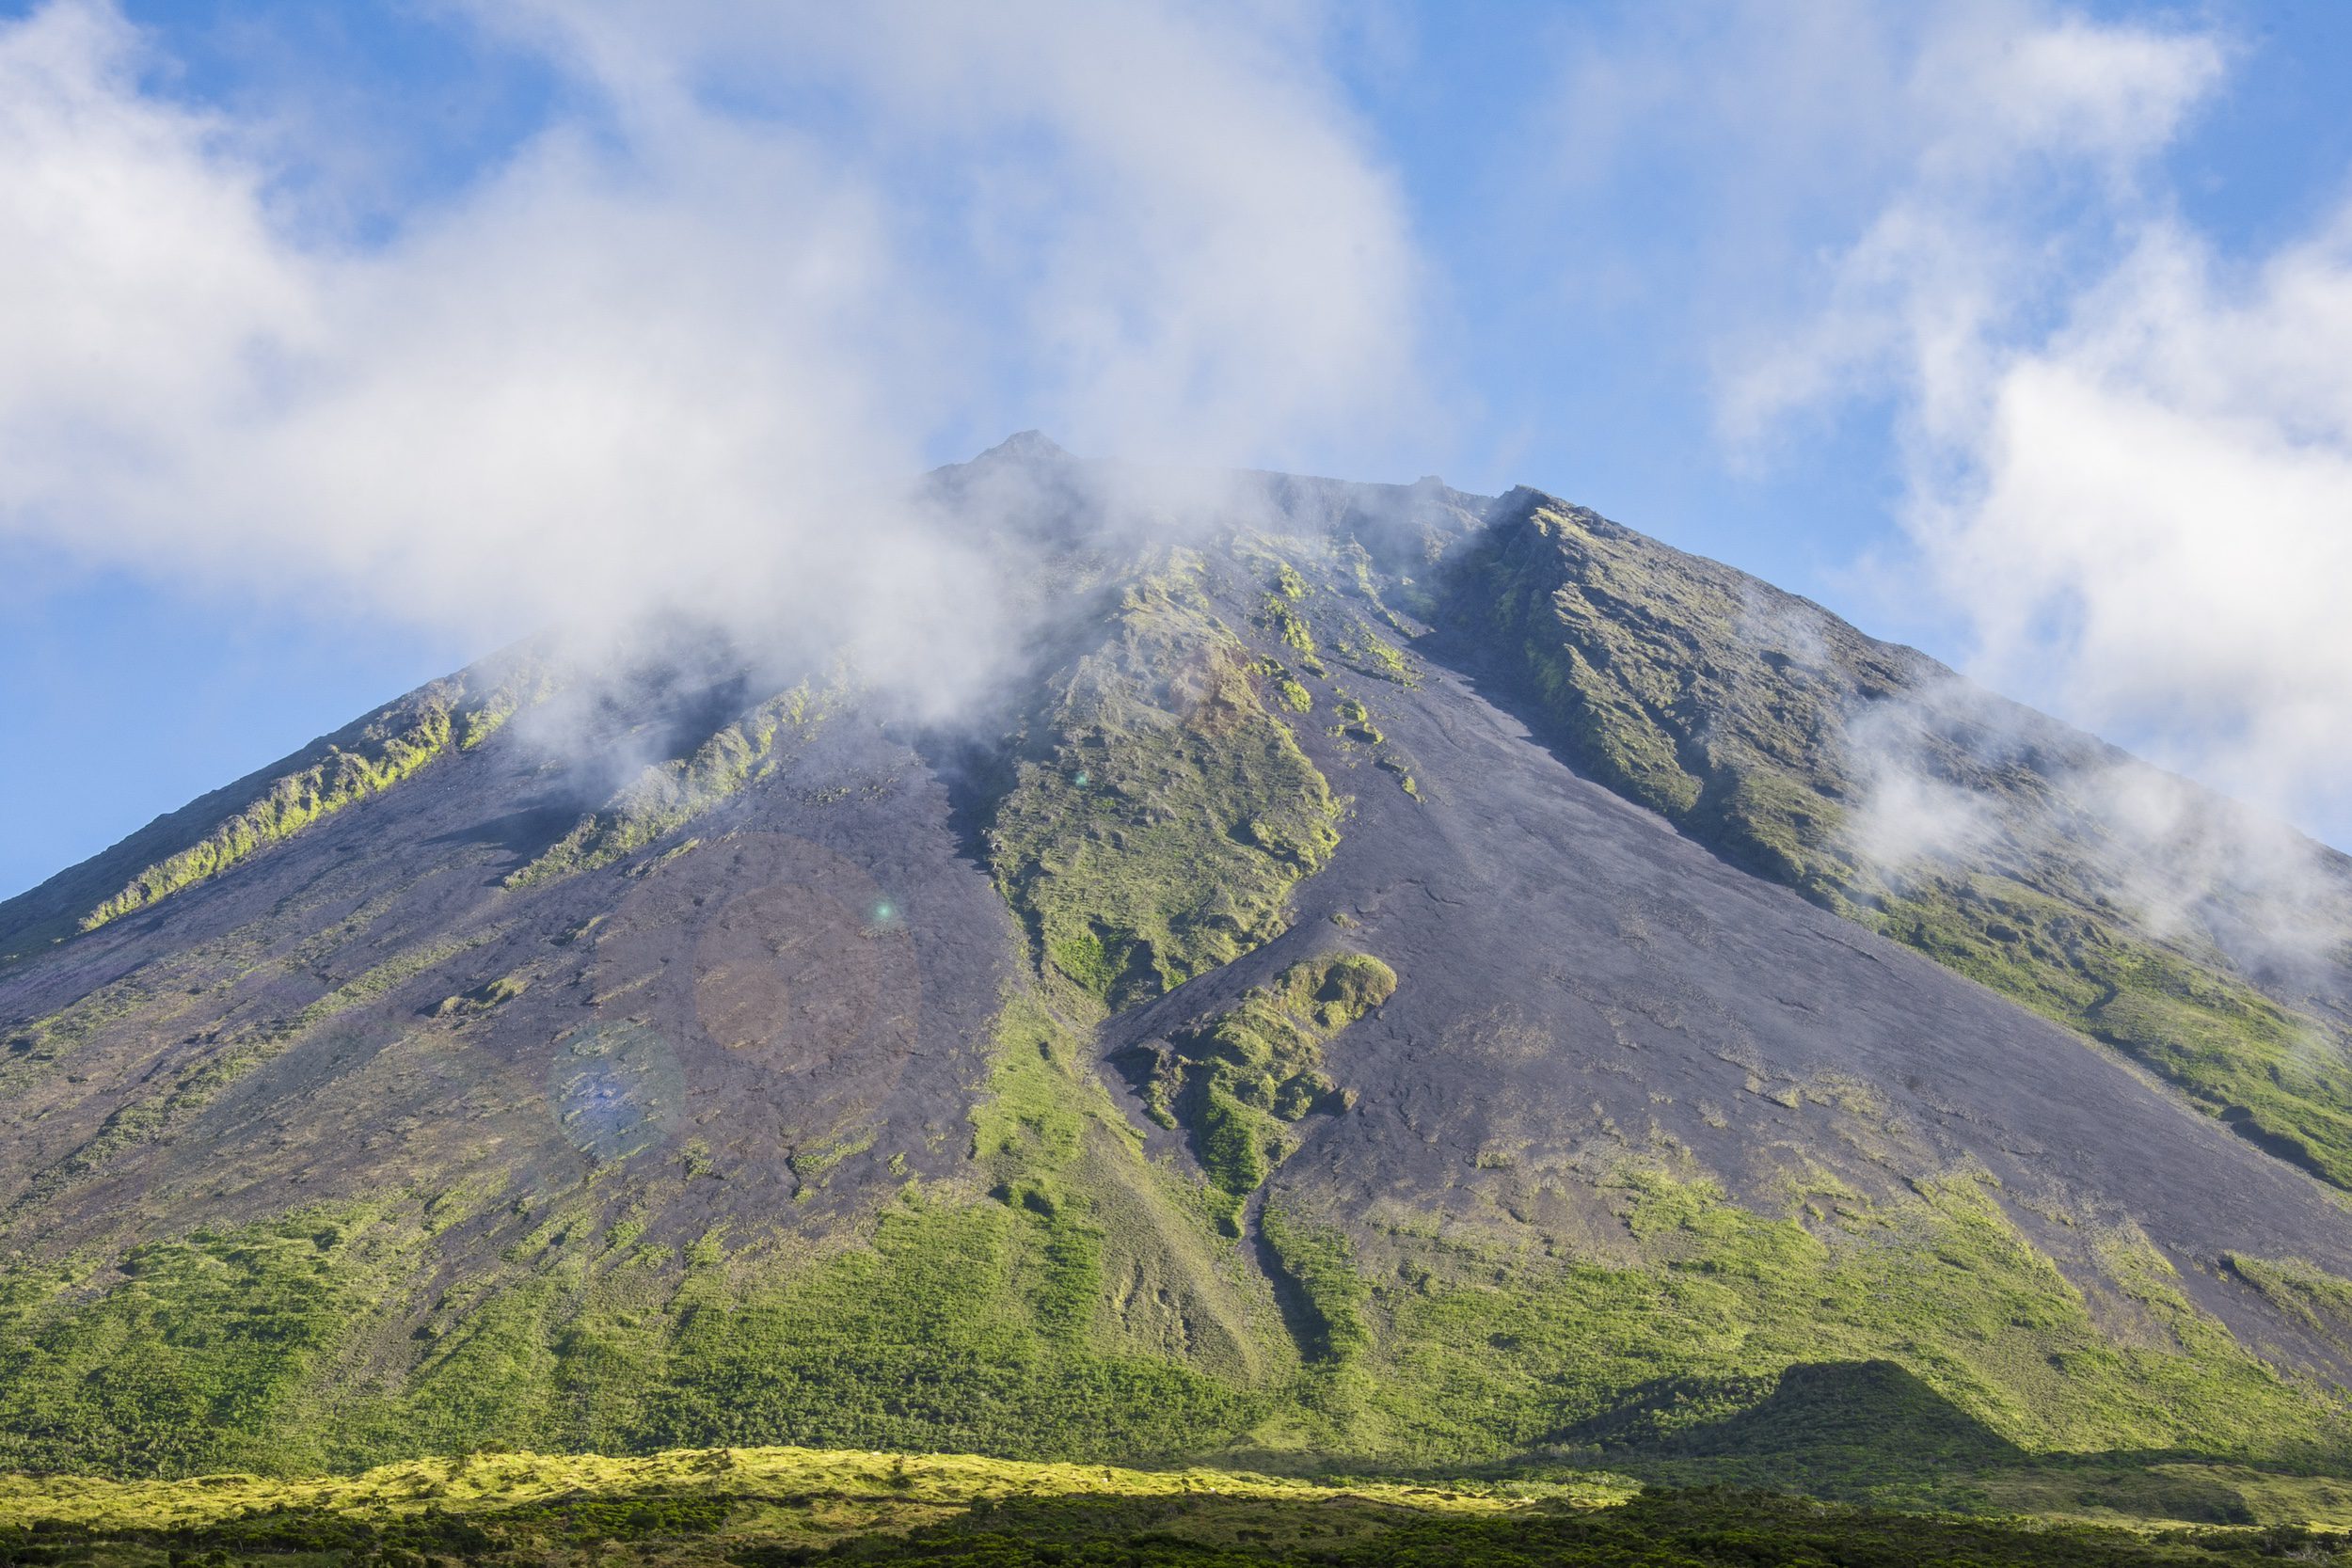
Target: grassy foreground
745,1505
763,1507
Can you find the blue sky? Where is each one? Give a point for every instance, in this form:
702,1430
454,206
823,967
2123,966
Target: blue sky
351,340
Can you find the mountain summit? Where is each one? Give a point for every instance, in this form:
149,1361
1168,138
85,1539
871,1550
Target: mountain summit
1399,977
1027,446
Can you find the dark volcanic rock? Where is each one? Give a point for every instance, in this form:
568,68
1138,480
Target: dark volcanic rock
694,1054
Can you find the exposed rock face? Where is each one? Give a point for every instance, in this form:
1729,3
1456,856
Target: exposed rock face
1407,977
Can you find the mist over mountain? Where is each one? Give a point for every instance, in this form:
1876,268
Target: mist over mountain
1325,974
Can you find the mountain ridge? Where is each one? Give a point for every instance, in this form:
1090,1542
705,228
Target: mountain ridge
1392,981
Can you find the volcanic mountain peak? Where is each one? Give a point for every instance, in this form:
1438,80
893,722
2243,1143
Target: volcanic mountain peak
1027,446
1401,975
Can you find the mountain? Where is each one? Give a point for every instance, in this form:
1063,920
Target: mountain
1388,978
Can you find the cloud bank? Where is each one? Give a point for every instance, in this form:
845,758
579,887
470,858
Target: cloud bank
710,314
2125,453
2160,527
2129,457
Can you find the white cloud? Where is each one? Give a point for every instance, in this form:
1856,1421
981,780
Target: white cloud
2008,140
2129,461
1909,819
138,266
2128,455
2011,82
1909,816
2160,532
707,318
2131,465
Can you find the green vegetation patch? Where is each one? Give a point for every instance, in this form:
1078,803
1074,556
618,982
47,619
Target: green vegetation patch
483,998
1283,613
1319,1261
1286,686
2310,1297
737,1505
1161,831
1239,1081
1474,1354
455,714
1711,1527
669,795
960,1321
963,1325
1362,648
962,1328
2273,1075
973,1327
202,1356
986,1324
753,1507
1356,722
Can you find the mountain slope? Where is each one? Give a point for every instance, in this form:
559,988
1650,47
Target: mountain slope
1249,1035
2054,870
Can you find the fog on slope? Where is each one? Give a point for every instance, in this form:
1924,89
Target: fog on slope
2188,863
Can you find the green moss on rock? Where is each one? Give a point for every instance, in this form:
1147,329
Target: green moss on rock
455,714
667,797
1239,1082
1160,833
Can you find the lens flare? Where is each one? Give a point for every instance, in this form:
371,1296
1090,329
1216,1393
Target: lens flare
616,1090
